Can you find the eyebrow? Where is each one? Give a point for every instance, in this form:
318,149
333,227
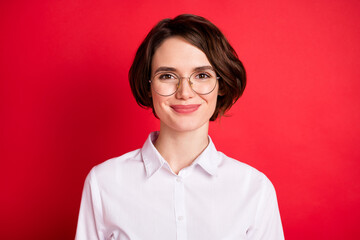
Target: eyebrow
171,69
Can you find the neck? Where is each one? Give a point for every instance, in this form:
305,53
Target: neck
180,149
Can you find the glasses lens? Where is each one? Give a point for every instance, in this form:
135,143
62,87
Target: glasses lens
165,83
203,82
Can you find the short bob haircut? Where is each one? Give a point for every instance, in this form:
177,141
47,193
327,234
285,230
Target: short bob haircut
204,35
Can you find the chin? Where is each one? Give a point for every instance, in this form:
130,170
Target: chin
187,126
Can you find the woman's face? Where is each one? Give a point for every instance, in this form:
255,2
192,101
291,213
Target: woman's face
185,110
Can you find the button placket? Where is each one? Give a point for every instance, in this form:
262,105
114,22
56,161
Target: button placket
180,209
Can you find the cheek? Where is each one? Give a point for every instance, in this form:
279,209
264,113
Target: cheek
158,103
213,100
213,105
155,103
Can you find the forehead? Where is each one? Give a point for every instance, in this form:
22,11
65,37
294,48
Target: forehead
178,53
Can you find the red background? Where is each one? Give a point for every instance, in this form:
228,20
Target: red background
66,105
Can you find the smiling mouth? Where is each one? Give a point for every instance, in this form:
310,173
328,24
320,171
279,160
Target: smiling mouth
185,108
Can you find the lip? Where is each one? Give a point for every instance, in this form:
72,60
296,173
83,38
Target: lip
189,108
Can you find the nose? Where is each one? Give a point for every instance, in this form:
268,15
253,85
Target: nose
184,90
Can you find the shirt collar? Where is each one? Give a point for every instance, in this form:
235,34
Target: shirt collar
209,159
153,161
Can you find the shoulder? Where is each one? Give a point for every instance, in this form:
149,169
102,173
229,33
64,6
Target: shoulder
113,167
237,167
116,161
244,173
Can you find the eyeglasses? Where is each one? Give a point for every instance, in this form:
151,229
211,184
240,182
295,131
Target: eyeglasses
168,83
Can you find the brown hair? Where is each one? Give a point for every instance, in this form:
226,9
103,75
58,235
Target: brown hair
204,35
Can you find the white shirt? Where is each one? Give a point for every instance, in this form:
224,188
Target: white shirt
137,196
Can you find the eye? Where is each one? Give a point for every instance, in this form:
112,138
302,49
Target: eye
203,75
166,76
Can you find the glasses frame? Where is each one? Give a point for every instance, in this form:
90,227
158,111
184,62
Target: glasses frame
189,81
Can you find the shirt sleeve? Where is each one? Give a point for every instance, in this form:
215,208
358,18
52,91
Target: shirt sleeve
90,215
267,221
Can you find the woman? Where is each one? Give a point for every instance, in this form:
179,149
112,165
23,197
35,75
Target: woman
178,186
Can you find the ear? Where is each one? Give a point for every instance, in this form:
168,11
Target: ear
149,92
221,93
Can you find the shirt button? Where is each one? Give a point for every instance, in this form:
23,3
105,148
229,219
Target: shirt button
180,218
178,179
